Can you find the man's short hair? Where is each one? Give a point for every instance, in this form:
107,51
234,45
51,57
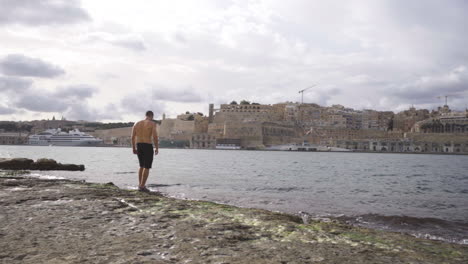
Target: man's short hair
149,113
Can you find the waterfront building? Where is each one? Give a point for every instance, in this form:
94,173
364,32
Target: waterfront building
115,136
203,141
448,122
13,138
410,142
228,143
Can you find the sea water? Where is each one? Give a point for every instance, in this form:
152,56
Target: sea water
423,195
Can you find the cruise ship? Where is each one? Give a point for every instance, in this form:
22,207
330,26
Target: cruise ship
56,137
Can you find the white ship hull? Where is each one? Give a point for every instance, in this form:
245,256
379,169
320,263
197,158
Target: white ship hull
71,143
54,137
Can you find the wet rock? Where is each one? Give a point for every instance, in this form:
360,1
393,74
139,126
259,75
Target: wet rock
40,164
16,164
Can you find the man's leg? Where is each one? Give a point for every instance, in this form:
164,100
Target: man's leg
145,177
140,177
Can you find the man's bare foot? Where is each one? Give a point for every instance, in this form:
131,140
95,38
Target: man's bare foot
143,189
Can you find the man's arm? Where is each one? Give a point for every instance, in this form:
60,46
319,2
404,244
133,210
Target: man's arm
134,139
155,140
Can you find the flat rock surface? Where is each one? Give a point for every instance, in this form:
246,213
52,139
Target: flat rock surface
59,221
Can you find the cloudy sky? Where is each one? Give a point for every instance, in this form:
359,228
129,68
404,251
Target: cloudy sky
113,60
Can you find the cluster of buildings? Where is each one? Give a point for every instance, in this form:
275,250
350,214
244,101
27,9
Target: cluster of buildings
9,138
257,126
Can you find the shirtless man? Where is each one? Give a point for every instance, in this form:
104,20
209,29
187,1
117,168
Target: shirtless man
143,136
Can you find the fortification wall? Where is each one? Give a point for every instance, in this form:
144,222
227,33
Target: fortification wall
166,127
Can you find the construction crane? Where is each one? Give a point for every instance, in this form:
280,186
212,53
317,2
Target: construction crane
302,92
456,94
446,96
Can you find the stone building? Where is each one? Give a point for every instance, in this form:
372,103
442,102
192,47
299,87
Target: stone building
277,134
385,120
410,142
247,113
330,136
405,120
370,119
448,123
13,138
115,136
203,141
183,127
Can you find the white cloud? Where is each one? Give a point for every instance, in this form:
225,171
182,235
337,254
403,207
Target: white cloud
20,65
44,12
130,41
363,54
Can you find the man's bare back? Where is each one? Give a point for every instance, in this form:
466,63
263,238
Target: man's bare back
145,131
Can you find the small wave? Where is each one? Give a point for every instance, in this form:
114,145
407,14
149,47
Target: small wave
273,189
428,228
384,175
415,175
163,185
46,177
359,191
437,206
423,188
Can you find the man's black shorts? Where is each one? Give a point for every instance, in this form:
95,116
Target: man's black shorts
145,155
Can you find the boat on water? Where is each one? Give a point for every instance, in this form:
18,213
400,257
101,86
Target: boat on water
57,137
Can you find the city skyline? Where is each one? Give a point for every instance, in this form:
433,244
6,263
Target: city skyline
205,112
93,61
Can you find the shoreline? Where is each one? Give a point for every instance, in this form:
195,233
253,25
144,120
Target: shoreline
60,220
291,151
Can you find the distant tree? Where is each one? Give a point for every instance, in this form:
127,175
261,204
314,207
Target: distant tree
8,126
200,113
191,118
233,103
255,104
244,102
187,112
26,127
97,125
94,124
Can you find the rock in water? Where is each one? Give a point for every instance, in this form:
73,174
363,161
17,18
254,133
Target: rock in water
70,167
40,164
45,164
16,164
305,217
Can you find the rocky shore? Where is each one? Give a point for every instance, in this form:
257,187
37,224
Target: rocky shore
61,221
40,164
